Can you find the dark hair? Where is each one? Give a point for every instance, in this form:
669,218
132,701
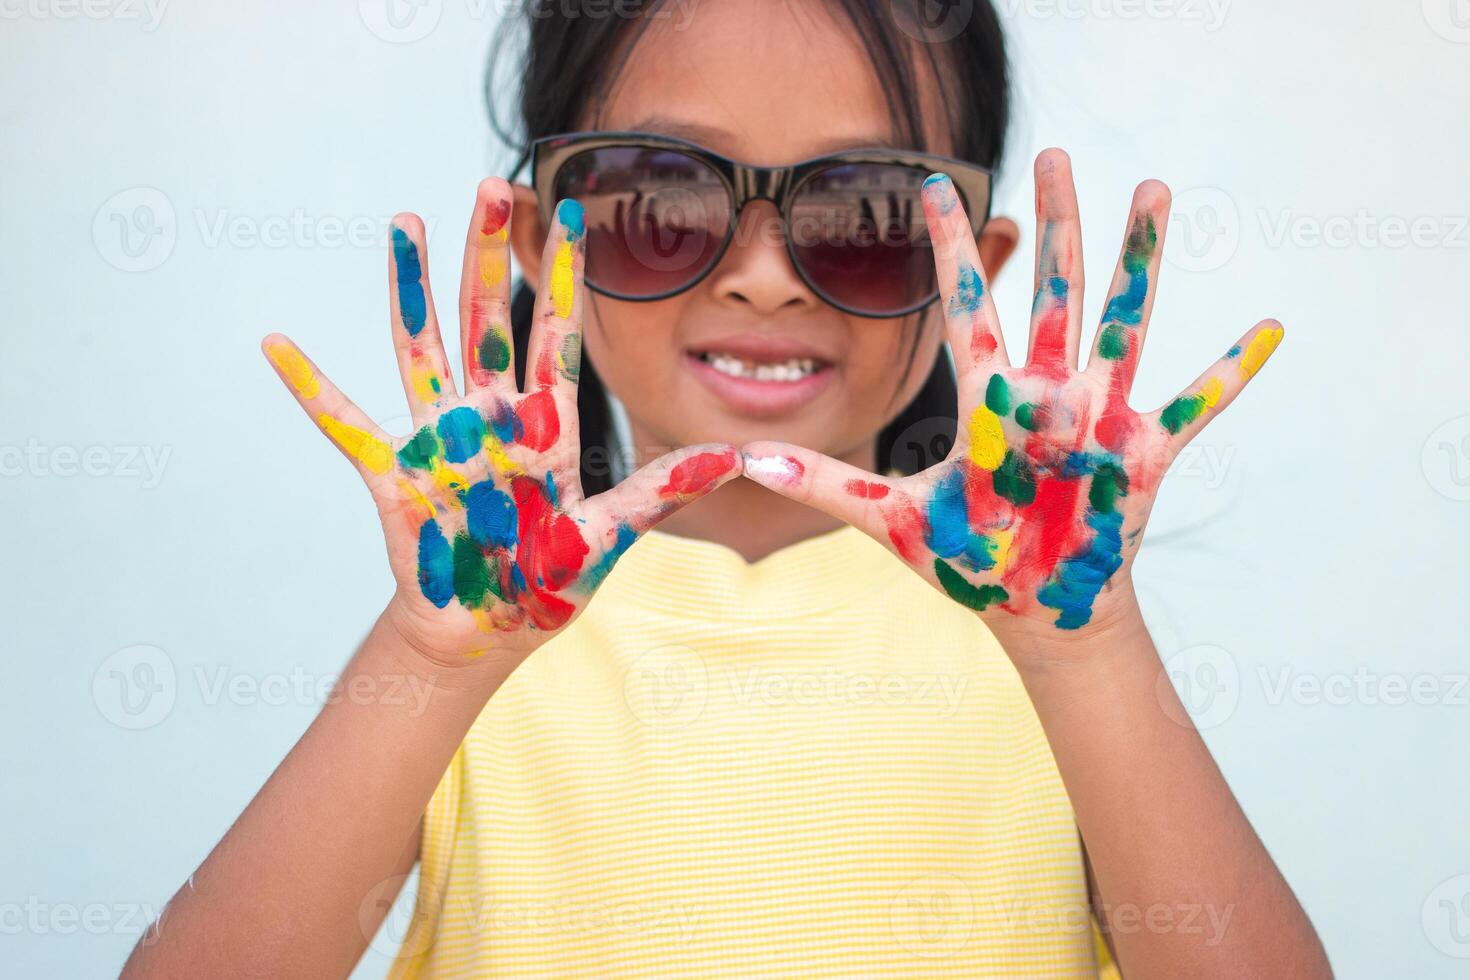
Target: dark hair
569,55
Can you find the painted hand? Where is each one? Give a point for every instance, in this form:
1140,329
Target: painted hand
1040,507
489,537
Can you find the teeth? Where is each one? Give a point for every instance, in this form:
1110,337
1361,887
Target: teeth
791,370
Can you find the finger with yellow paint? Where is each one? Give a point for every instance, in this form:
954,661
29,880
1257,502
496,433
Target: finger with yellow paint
360,440
1186,414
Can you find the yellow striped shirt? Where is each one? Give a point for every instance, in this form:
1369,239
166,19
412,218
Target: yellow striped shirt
810,766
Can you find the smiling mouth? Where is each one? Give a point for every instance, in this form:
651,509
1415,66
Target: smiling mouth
789,370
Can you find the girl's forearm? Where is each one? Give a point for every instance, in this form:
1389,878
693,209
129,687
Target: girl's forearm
298,884
1186,888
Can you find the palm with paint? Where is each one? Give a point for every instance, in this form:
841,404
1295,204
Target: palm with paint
491,542
1040,507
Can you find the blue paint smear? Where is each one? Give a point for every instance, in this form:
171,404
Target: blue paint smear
1079,464
462,431
569,213
948,198
436,565
593,577
1233,352
506,424
552,496
1078,580
1127,306
490,516
968,289
949,528
410,289
979,553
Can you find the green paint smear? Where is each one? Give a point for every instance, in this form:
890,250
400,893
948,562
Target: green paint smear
472,579
978,598
1142,240
420,452
1108,484
494,352
1182,411
1026,416
571,355
998,395
1113,343
1014,479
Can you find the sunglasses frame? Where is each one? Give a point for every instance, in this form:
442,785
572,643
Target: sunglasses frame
745,183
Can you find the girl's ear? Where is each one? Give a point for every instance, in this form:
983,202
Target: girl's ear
527,236
996,243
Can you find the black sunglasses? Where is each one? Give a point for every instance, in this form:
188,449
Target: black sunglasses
661,211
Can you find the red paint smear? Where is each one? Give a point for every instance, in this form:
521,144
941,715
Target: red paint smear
906,530
546,367
984,508
1049,532
982,343
695,475
497,213
549,552
540,425
866,489
1049,352
1118,422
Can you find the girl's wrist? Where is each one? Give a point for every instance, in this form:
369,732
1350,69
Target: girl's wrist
1038,648
444,663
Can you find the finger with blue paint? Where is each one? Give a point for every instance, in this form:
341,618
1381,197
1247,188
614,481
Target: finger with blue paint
1056,308
422,363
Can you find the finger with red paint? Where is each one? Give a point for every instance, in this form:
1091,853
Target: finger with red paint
422,363
1056,310
971,323
486,348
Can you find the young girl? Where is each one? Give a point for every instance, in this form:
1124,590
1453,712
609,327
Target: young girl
857,707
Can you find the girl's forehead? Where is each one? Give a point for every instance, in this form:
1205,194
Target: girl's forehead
760,81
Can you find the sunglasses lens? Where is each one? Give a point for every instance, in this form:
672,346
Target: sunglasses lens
859,237
655,217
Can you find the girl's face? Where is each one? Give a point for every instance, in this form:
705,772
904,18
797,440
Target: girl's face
765,83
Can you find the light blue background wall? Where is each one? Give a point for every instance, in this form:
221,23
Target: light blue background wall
1306,566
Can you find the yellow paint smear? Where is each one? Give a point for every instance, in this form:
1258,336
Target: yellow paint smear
297,369
417,496
1210,393
372,452
492,266
503,464
987,439
1260,348
423,377
561,280
1002,540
